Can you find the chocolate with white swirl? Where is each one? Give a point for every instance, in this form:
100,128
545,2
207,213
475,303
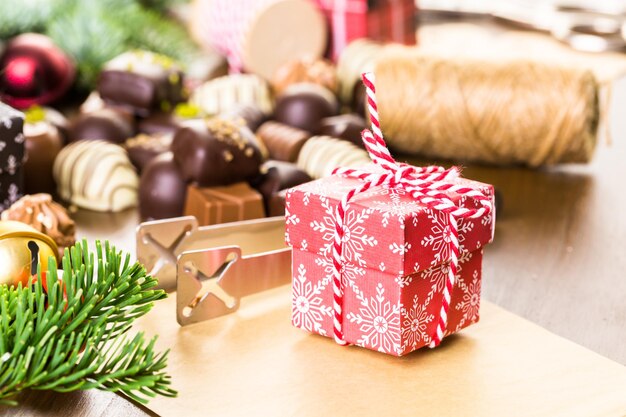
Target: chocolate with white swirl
322,154
226,93
96,175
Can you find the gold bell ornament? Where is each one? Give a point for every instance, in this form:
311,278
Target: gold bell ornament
23,250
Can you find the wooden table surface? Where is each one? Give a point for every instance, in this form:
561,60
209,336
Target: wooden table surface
558,259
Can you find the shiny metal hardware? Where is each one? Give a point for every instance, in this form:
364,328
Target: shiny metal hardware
212,268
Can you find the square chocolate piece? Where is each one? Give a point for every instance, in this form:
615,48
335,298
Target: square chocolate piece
214,205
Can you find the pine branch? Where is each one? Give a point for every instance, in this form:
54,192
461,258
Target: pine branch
71,336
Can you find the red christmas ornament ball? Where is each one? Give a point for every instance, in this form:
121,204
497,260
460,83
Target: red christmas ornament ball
34,71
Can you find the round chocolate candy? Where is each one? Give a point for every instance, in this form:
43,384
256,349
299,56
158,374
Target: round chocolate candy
105,124
216,152
43,144
162,189
345,126
304,106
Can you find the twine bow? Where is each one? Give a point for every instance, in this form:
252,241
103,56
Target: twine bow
430,186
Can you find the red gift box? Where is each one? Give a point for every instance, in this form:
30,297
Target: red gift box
379,20
396,263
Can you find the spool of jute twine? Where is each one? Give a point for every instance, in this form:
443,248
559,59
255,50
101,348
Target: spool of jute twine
513,112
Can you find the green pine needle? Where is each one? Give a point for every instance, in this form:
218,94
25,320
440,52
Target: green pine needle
73,336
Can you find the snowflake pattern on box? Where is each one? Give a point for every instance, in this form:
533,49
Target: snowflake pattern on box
394,205
415,320
470,302
439,237
379,323
308,310
355,239
392,282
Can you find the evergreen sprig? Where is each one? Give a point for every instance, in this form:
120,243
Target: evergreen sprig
68,333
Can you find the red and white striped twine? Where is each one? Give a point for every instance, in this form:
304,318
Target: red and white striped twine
430,186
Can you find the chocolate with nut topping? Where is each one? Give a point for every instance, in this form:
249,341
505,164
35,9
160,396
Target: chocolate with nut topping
216,152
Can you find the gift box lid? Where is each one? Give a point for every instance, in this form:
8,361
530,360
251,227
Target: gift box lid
387,229
11,139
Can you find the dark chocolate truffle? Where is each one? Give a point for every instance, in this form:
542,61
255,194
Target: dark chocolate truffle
106,124
304,106
142,81
144,148
162,190
216,152
345,126
43,144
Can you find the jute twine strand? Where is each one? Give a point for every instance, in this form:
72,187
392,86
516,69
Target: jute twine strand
516,112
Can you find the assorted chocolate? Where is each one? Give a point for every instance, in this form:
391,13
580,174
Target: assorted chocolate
43,142
162,189
109,124
228,154
216,152
345,126
249,114
322,154
44,215
226,93
168,123
230,203
12,154
142,81
283,142
142,149
96,175
304,106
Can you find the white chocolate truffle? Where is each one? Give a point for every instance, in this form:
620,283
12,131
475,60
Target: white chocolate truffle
96,175
320,155
225,93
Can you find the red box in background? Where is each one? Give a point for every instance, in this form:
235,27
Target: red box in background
379,20
396,263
